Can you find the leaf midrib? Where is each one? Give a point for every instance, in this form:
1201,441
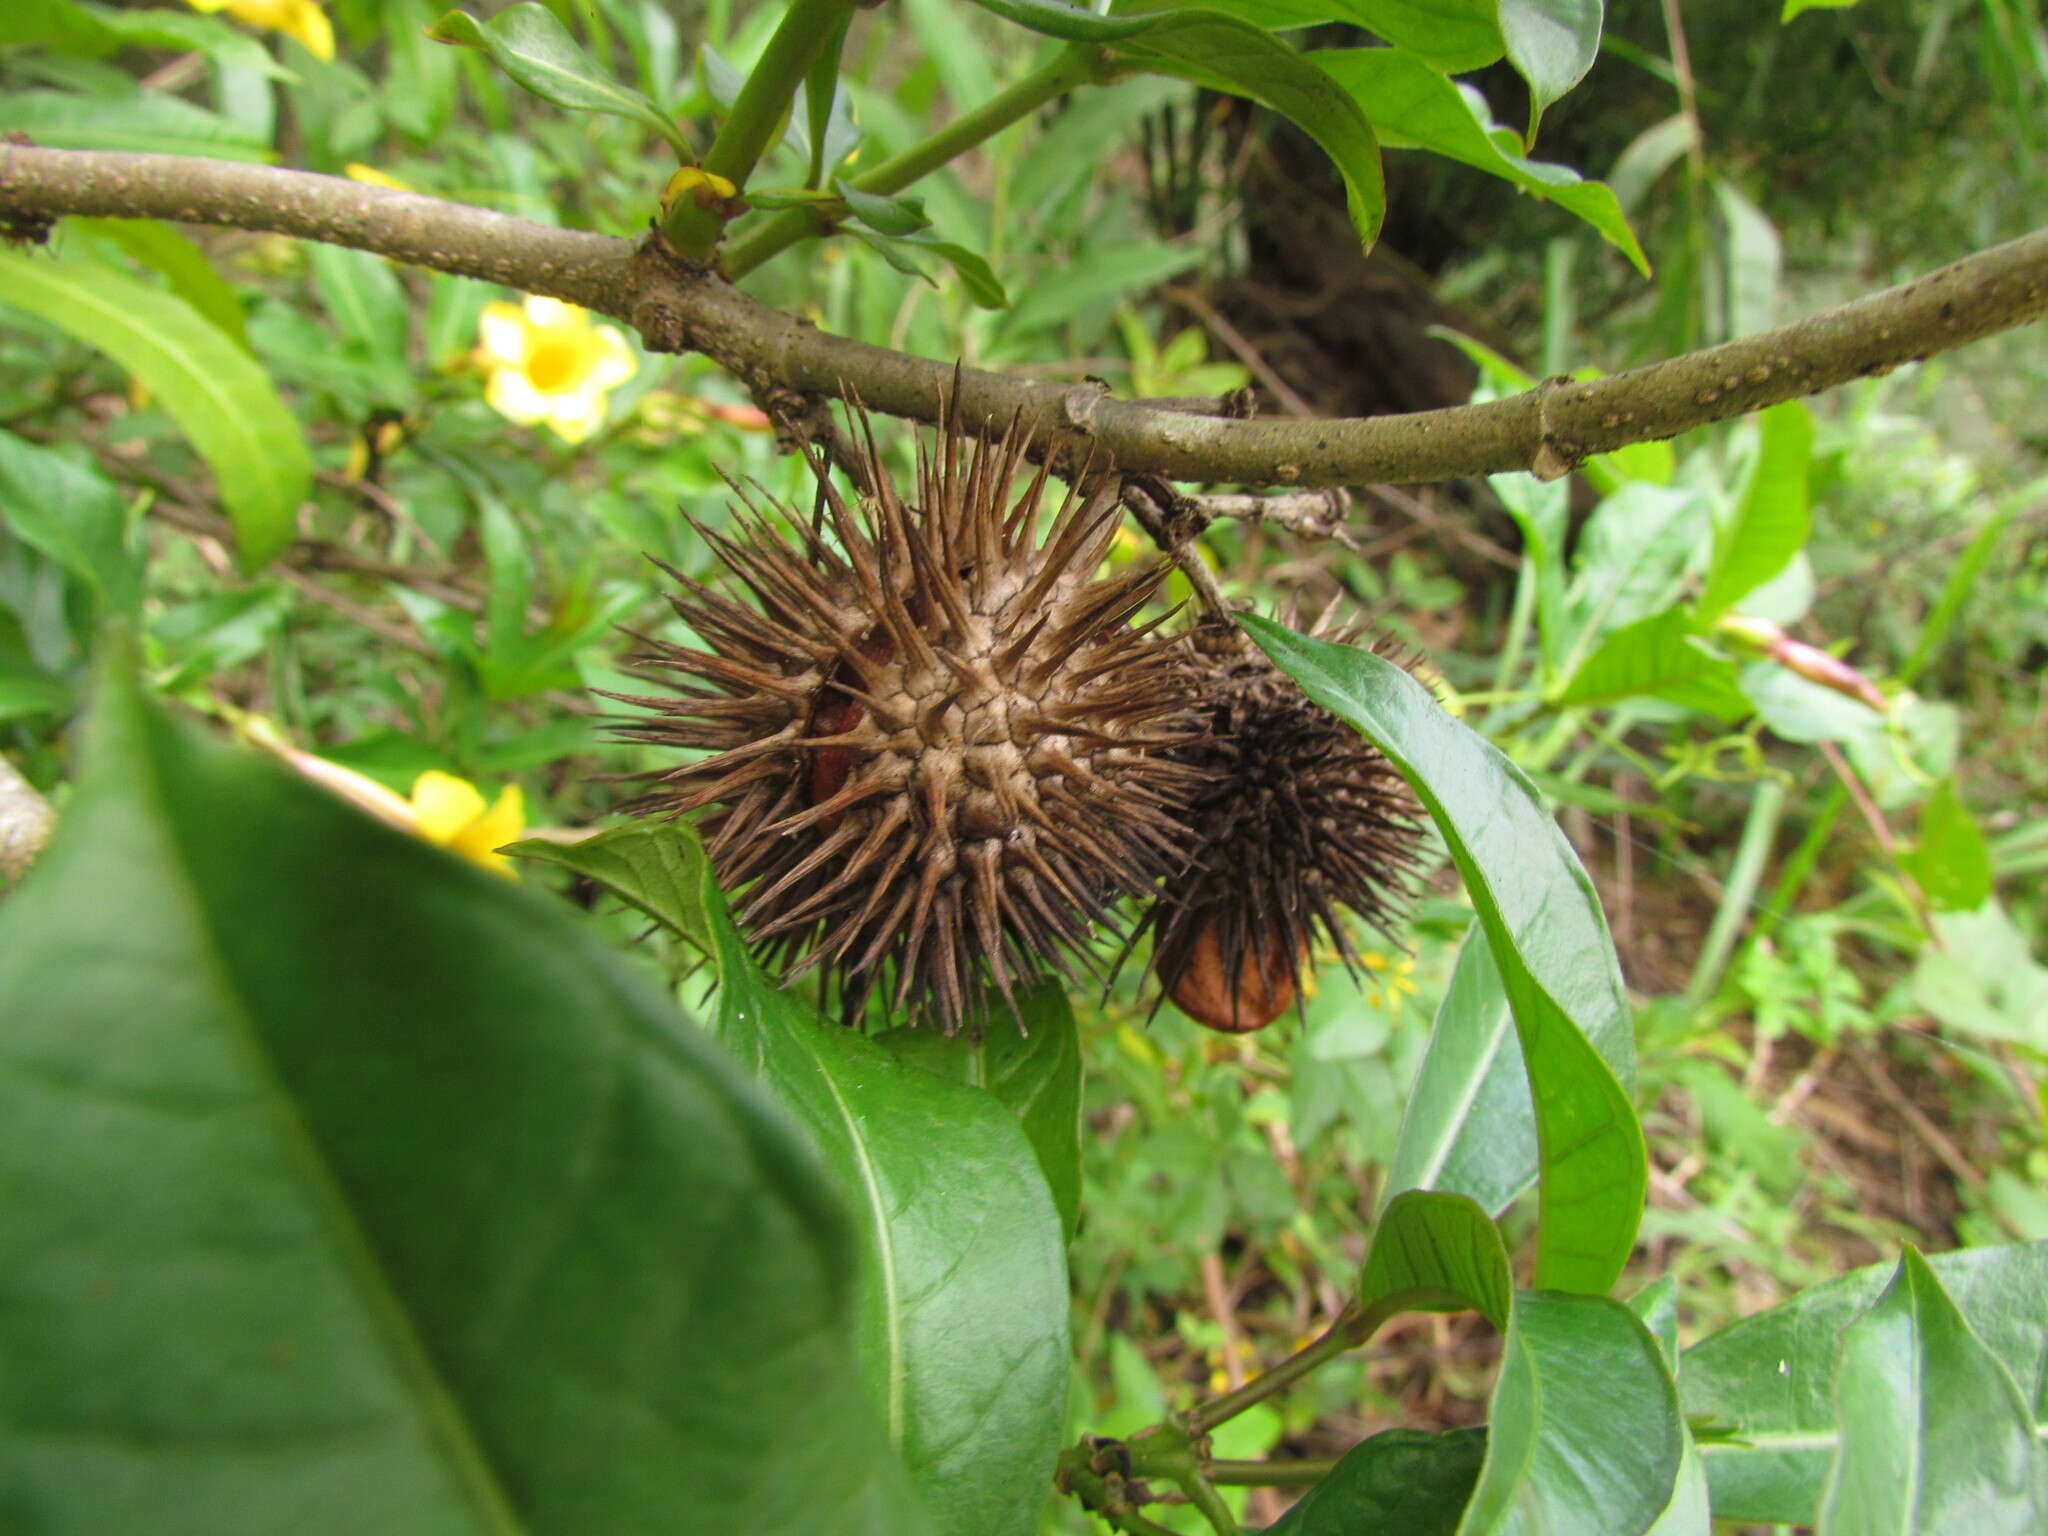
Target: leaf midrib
433,1399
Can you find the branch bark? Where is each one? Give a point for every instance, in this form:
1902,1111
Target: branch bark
677,307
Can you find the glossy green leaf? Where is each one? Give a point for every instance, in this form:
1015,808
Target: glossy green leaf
73,515
148,121
538,52
1239,58
1411,104
1688,1513
182,264
1033,1067
1547,936
222,400
1404,1480
1761,1394
1453,36
1952,861
352,1188
963,1274
27,689
1934,1434
1551,43
1660,657
1771,520
1435,1253
1584,1433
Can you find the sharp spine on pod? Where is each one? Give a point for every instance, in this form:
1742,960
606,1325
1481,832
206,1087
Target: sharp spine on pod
941,749
1298,819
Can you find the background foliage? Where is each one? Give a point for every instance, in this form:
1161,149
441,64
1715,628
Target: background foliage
286,473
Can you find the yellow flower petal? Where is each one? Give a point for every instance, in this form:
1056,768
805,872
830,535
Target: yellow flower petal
301,20
444,805
575,417
501,824
370,176
543,311
501,335
612,362
512,395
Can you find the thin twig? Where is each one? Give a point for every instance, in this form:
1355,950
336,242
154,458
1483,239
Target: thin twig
678,307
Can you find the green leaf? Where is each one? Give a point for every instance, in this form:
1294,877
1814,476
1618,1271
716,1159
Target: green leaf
26,689
182,264
1435,1253
976,278
1239,58
884,215
148,121
1688,1513
538,52
1412,105
1034,1070
222,400
963,1276
1661,657
350,1187
1547,936
94,31
1762,1391
1934,1434
1630,564
1584,1433
1952,863
1551,43
1794,7
75,516
1771,521
1404,1480
1104,273
369,304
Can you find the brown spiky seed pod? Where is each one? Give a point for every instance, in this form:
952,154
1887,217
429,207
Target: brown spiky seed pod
938,745
1299,819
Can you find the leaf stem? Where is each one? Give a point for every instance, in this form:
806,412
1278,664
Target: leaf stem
1075,64
757,115
1340,1336
1270,1474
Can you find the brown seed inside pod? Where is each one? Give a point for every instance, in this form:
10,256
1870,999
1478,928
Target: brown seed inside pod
1298,820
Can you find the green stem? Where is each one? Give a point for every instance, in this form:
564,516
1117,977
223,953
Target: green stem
1209,1503
1751,855
1076,64
1270,1474
1204,1417
756,115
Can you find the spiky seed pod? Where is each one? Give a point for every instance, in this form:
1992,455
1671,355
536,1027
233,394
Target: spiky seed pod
940,747
1299,819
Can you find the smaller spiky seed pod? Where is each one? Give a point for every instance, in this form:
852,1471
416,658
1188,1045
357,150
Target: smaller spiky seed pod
938,744
1299,819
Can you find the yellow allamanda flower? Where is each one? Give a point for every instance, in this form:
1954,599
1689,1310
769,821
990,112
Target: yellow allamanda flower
299,19
546,362
1395,978
450,813
370,176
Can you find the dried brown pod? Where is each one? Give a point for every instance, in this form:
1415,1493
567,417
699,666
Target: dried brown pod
939,747
1298,819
